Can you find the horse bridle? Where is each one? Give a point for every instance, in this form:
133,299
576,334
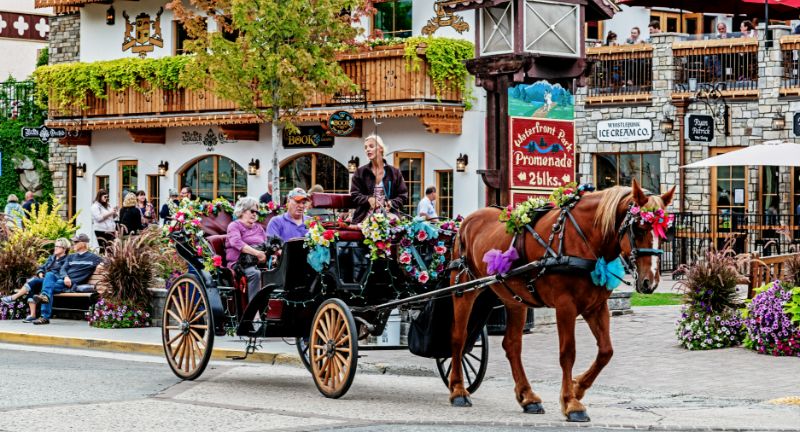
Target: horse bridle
627,227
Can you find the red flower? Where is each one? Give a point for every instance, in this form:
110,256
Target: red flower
199,251
380,245
423,277
217,261
440,250
421,235
328,235
312,224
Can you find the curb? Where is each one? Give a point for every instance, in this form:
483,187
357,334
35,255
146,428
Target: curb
138,348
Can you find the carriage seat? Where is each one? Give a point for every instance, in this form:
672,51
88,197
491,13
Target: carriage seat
349,234
332,201
218,245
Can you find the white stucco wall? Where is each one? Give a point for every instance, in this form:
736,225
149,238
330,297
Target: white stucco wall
630,17
18,57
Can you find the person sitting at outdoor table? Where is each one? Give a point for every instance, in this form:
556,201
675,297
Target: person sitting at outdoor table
748,29
34,285
634,39
377,185
244,233
291,224
77,268
611,39
129,216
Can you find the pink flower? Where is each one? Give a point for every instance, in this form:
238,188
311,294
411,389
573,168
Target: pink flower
423,277
422,235
217,261
196,222
199,251
180,216
569,191
440,249
635,210
405,258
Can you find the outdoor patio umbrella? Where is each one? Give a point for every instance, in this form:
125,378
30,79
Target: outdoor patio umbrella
770,153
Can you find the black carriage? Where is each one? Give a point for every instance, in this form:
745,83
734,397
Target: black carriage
326,312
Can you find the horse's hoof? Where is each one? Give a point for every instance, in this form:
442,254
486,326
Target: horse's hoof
578,416
461,401
533,408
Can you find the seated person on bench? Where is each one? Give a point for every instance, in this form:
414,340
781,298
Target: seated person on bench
291,224
244,233
78,267
34,285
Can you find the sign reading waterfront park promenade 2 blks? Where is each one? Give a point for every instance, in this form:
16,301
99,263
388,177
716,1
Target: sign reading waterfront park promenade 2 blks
625,130
699,128
43,133
542,153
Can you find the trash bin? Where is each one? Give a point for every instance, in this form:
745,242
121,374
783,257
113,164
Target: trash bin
497,321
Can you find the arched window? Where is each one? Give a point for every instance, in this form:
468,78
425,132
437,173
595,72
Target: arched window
215,176
309,169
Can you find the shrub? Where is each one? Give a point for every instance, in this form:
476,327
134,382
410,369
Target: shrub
46,222
791,270
19,258
131,265
770,329
14,311
124,315
710,317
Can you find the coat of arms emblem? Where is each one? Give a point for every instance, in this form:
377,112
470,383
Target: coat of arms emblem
143,34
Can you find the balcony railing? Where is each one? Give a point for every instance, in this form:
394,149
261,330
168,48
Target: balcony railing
15,98
620,74
790,50
728,64
382,76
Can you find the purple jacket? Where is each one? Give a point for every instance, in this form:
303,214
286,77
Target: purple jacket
284,227
240,236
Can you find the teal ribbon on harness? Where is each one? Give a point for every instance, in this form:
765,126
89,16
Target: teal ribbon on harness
608,274
418,259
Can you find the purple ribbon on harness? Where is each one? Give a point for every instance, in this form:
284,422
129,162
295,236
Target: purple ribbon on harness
498,261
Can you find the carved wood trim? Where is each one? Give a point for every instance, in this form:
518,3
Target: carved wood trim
156,135
240,132
83,138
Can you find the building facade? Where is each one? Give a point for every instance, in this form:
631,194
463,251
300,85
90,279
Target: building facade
23,33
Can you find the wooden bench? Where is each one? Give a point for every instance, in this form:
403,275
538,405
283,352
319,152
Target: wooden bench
766,269
83,297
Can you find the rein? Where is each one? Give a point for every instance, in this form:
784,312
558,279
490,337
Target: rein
630,221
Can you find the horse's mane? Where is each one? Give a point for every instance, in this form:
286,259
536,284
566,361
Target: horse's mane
611,199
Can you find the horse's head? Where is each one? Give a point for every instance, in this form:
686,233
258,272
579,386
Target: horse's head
643,227
638,223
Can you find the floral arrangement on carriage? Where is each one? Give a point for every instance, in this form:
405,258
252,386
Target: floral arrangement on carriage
318,241
187,221
420,238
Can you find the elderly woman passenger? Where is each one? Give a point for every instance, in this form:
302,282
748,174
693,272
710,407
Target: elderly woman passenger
243,234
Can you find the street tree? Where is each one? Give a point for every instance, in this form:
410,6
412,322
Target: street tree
269,56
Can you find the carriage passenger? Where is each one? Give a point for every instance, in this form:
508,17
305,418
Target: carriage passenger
377,185
291,224
244,233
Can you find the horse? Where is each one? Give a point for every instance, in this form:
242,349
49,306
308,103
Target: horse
611,226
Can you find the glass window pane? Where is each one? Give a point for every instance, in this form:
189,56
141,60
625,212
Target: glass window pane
651,172
499,38
296,173
737,172
205,173
629,168
225,177
606,169
724,172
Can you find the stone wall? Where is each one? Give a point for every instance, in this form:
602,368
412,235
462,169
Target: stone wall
750,123
65,34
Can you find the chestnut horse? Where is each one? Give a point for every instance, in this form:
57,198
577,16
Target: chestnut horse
610,231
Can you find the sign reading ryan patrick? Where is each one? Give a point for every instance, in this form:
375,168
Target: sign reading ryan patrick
624,130
699,128
542,153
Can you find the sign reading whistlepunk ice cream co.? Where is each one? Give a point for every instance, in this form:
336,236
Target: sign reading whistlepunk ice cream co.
542,153
624,130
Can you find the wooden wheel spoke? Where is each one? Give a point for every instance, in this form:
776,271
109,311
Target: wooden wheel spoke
343,350
328,323
320,334
318,347
345,339
340,331
171,327
469,364
183,351
174,316
465,372
337,326
194,308
182,304
477,359
200,315
172,341
197,338
178,348
199,326
194,349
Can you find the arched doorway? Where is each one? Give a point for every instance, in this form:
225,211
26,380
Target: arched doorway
308,169
215,176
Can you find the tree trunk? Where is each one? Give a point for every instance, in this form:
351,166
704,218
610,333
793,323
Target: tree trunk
277,131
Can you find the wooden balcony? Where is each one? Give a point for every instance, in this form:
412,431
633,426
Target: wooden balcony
730,65
790,50
388,88
620,74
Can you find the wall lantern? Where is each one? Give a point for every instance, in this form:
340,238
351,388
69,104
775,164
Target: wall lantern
162,168
666,125
352,164
253,167
80,170
110,16
461,162
778,122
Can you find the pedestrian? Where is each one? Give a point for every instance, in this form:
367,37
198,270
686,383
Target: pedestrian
266,197
103,216
78,267
30,205
186,192
129,216
377,186
145,208
425,208
748,29
166,210
33,285
13,211
634,39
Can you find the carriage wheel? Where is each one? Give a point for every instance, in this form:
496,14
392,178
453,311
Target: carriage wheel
333,348
187,330
473,364
302,349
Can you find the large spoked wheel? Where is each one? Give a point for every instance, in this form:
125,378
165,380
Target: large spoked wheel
473,363
333,348
302,349
187,330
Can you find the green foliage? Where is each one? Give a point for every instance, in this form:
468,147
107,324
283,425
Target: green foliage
446,58
45,222
792,307
20,111
19,258
67,84
656,299
282,52
44,57
131,267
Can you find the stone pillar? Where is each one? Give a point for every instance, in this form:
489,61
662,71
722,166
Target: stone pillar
64,47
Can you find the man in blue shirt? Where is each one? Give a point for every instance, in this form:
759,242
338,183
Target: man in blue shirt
425,207
291,224
78,267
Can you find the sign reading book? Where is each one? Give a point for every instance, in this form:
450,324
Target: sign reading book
542,153
699,128
307,137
